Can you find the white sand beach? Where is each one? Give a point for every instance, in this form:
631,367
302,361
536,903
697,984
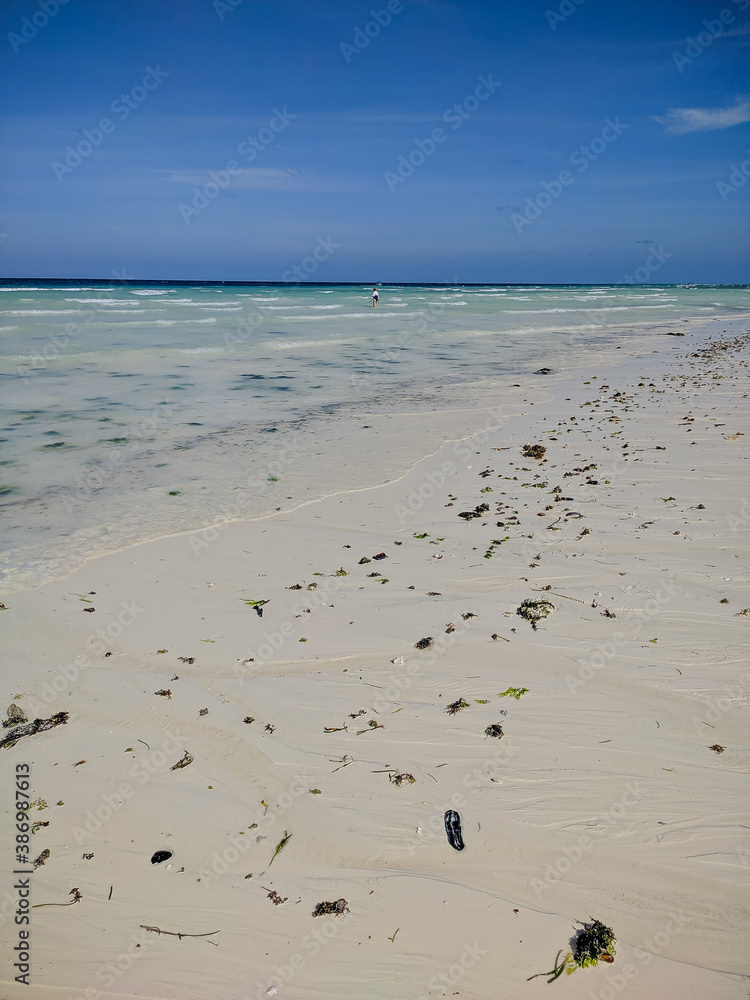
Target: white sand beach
618,790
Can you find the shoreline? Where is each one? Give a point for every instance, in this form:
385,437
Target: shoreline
402,438
603,797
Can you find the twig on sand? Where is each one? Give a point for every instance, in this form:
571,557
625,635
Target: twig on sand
177,934
75,893
539,590
37,726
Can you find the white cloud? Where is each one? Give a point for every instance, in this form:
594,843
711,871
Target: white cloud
247,179
681,120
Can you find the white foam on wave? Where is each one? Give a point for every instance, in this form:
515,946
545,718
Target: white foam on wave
328,318
149,291
107,302
8,328
532,312
199,350
42,312
289,344
164,322
260,298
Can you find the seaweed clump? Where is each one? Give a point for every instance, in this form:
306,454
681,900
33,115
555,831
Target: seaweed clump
594,942
480,509
534,611
533,451
327,908
495,730
457,706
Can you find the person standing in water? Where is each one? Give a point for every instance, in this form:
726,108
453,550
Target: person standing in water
375,297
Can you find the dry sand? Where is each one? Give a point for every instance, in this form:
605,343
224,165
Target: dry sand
603,798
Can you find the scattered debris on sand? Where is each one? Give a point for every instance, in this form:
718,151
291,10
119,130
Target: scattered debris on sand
400,779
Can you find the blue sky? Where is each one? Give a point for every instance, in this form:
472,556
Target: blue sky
304,127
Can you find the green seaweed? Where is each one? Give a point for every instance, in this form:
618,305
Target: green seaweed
280,846
594,942
513,693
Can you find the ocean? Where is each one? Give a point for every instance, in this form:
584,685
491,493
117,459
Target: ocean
133,411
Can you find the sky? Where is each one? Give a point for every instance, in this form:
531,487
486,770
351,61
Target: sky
548,141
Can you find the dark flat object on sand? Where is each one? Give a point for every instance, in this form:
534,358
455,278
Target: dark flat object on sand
453,829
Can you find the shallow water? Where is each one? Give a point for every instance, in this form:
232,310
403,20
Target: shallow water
130,412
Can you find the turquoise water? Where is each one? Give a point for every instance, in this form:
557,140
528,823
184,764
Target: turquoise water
116,396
